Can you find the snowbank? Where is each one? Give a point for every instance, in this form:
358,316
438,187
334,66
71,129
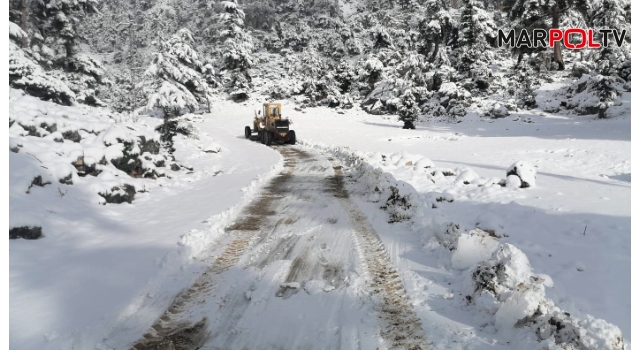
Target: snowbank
499,280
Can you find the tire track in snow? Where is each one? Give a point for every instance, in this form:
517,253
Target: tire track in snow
185,326
401,327
171,331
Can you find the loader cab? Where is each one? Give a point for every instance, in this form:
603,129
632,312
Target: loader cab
272,110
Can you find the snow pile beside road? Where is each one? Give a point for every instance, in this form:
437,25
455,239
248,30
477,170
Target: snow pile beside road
399,199
473,248
498,278
111,205
196,242
505,286
60,154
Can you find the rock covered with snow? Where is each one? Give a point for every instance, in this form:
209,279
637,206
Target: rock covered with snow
212,147
491,223
446,233
472,248
513,181
424,163
525,172
505,286
498,111
466,177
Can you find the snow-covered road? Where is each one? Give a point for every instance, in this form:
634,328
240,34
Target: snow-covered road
307,246
298,271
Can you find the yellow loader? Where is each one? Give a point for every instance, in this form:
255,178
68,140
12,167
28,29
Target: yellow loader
269,126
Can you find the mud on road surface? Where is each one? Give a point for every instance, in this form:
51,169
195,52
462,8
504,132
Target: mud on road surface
302,269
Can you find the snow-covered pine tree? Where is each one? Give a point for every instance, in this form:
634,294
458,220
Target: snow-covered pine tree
606,88
475,31
174,82
17,34
529,15
612,63
236,46
613,60
408,110
435,29
118,30
476,25
409,5
527,81
54,41
345,77
381,38
26,74
59,18
371,73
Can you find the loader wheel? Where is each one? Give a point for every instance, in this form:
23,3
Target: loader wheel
247,132
261,136
268,138
292,137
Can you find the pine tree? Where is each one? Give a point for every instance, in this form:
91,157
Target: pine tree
236,45
528,15
55,43
408,111
475,31
174,81
476,25
613,60
613,63
381,38
26,74
435,29
372,72
607,91
61,17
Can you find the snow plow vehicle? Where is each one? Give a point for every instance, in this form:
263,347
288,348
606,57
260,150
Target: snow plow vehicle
269,126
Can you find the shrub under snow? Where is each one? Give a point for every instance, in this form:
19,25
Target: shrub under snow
26,74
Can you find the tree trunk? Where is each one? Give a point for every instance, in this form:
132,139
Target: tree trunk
133,23
435,51
70,47
24,18
557,48
520,56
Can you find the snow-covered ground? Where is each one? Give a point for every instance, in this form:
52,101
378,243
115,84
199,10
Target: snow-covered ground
98,265
574,226
95,260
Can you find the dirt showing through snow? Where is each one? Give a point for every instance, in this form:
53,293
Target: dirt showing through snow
302,268
401,328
